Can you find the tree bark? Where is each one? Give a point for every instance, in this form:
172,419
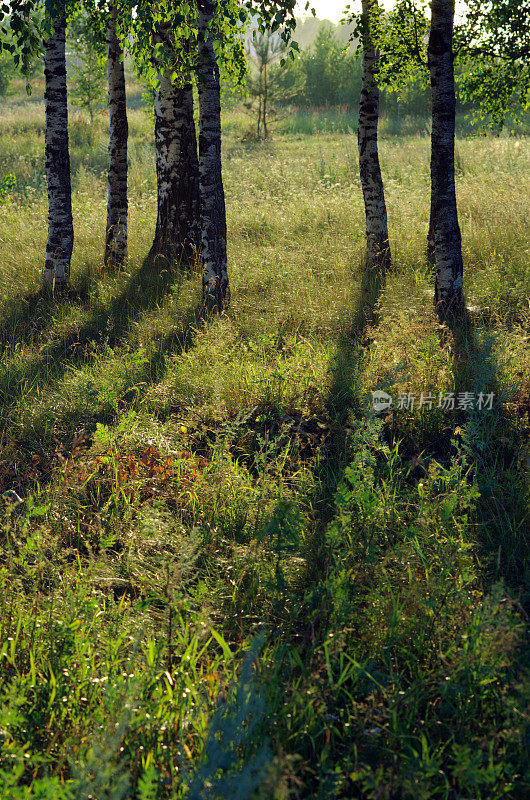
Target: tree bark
60,223
116,238
177,226
449,297
216,289
377,244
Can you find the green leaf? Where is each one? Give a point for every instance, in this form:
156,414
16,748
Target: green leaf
224,646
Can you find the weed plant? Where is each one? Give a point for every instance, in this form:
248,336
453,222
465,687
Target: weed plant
221,573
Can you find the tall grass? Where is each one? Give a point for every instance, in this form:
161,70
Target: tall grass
188,481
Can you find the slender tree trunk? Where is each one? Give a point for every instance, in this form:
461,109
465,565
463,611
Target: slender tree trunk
260,99
377,244
116,238
60,223
449,296
216,288
177,232
90,98
265,98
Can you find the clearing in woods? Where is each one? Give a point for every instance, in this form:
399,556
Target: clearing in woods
190,483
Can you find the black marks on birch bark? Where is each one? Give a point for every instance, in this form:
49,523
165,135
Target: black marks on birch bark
116,235
449,297
377,244
60,224
216,288
177,167
430,237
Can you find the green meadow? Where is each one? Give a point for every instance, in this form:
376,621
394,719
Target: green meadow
227,576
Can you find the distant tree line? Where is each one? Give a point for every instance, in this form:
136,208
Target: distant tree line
325,74
328,72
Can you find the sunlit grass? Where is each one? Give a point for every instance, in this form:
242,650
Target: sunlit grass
186,478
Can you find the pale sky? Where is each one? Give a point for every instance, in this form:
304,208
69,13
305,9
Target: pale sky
331,9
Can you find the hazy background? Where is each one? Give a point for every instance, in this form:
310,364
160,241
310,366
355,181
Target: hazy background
332,9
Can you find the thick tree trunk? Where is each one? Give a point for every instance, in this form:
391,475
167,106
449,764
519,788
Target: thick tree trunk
60,223
377,244
449,296
116,238
177,235
216,288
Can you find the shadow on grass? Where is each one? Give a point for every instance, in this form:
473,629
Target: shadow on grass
297,629
499,524
343,396
328,453
493,441
31,315
26,376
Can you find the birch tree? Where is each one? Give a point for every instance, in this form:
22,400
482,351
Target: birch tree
117,207
216,289
492,45
60,223
377,244
177,231
449,297
191,50
220,19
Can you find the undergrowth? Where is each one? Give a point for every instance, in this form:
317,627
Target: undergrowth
222,574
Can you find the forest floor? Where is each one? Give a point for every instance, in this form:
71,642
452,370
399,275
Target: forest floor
227,576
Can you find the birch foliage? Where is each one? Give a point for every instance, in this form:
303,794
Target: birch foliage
88,69
490,47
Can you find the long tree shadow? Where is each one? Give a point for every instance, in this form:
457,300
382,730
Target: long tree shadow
26,377
30,316
500,518
300,630
493,440
344,396
109,325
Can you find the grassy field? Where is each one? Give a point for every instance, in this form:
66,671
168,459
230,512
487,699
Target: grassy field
227,576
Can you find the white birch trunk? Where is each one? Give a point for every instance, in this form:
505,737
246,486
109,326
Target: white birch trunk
116,237
60,223
216,289
177,235
377,244
449,297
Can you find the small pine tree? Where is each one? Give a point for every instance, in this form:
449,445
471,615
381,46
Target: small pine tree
87,65
264,50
